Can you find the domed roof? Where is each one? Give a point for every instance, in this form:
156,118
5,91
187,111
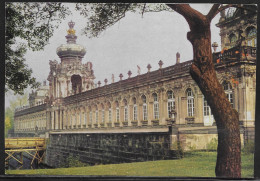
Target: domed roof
67,50
71,49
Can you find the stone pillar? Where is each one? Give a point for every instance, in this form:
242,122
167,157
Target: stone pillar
69,118
56,118
52,120
163,109
81,117
199,106
140,111
183,110
61,119
113,108
87,116
121,114
178,108
150,110
130,113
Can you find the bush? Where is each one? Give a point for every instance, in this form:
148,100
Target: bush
249,147
75,162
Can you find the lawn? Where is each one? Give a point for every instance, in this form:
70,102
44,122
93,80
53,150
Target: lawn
196,164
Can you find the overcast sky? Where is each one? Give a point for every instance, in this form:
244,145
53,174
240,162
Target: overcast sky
134,40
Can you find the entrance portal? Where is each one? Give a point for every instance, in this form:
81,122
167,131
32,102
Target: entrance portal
76,84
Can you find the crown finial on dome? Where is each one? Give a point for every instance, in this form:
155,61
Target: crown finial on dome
71,31
71,24
71,37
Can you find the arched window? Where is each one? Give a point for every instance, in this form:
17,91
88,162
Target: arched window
230,12
228,90
102,114
80,117
232,39
90,117
144,107
251,37
134,109
96,116
206,108
125,111
71,119
170,102
155,106
74,119
117,112
190,102
109,113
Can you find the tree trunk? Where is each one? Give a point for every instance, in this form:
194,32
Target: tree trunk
203,72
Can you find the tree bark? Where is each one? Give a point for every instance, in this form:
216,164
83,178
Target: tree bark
203,72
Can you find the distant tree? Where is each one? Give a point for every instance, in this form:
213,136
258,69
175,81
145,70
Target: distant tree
27,26
102,16
19,101
7,125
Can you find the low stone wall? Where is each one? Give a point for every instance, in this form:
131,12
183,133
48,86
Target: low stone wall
128,145
108,148
201,138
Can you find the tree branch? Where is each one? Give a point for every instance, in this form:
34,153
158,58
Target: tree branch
213,11
192,16
216,9
143,9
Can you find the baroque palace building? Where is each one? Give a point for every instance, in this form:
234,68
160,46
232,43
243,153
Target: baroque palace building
149,102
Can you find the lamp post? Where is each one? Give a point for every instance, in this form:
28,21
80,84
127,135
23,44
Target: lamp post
36,131
173,115
214,45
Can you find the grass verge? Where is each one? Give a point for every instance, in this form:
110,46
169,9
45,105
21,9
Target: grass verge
195,164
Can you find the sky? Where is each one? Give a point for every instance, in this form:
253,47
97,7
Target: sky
134,40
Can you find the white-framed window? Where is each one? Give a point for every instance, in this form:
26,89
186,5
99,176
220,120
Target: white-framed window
190,102
103,115
251,36
96,116
135,112
85,117
117,114
170,102
155,106
80,117
134,109
125,111
233,39
206,108
229,92
90,117
110,115
144,108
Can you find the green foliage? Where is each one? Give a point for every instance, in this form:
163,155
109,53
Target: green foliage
213,144
198,164
7,124
103,15
249,147
20,100
74,162
34,24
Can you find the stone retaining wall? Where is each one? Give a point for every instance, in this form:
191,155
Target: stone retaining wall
108,148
